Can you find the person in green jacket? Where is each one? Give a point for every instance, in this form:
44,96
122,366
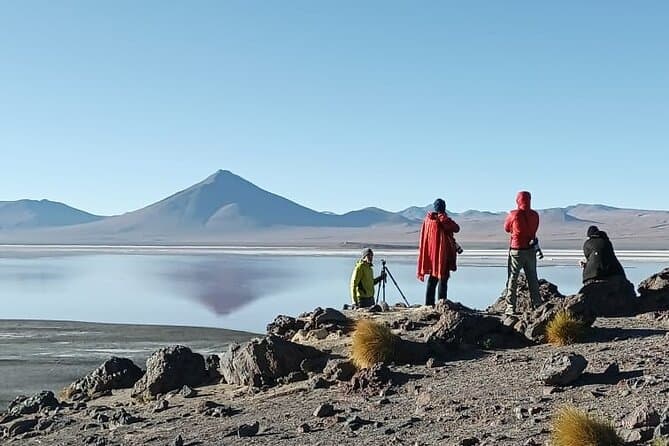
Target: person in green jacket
363,280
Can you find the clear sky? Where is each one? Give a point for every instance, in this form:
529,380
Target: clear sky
111,105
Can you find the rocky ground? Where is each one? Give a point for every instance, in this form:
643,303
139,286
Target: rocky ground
467,393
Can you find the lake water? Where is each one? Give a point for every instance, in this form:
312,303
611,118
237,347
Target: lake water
241,289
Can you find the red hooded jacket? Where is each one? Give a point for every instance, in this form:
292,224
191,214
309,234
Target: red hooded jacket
522,223
436,250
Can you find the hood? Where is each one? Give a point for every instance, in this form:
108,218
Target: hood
434,215
523,200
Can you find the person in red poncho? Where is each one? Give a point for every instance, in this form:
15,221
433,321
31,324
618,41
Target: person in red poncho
437,251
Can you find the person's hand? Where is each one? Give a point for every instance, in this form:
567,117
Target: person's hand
582,263
420,277
383,275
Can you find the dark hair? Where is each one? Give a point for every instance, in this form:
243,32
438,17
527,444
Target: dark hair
592,230
439,205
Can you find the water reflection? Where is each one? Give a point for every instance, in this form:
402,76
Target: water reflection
225,284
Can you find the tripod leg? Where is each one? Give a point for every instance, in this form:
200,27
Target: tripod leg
397,286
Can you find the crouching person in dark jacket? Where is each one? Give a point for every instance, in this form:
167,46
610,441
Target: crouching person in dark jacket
600,260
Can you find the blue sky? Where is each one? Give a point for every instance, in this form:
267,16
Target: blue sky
109,106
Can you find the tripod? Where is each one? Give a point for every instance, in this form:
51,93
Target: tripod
385,273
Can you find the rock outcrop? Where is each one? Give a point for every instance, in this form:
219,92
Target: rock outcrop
170,369
561,369
261,362
115,373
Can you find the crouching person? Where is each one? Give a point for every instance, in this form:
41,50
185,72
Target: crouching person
363,280
600,262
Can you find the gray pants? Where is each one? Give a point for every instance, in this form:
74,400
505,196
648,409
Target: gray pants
525,259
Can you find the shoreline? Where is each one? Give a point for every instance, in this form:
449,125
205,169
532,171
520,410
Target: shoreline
42,354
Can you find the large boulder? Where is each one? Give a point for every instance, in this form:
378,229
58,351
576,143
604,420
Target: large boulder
654,292
561,369
612,297
22,405
168,369
472,328
328,318
547,291
115,373
260,362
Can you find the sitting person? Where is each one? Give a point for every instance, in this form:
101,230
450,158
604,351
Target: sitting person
363,280
600,260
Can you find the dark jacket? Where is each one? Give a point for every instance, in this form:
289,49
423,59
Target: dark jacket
601,261
522,223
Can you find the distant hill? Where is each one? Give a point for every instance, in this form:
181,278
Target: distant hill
31,214
225,208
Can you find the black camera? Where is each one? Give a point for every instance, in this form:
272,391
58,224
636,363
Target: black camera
534,243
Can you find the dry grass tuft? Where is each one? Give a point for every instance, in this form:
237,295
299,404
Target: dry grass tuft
372,343
564,329
574,427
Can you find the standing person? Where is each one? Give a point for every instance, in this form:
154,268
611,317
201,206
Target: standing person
437,251
363,280
522,223
600,259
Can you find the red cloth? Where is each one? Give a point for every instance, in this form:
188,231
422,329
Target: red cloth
436,249
522,222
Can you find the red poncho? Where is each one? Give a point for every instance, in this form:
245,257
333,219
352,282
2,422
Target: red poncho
436,251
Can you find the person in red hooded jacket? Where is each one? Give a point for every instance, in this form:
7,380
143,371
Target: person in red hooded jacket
522,223
437,251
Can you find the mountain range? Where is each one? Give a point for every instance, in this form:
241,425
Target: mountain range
227,209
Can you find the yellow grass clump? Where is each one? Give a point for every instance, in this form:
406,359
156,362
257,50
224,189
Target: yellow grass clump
574,427
564,329
372,342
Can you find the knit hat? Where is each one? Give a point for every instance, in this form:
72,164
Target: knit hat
366,252
592,230
439,205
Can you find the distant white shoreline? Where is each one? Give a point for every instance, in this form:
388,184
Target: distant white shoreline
468,255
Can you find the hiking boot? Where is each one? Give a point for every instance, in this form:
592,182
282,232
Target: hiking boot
510,310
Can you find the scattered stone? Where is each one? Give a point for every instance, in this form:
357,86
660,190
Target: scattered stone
248,430
178,441
372,380
471,441
122,418
318,382
432,363
561,369
303,428
642,416
212,409
21,427
161,405
115,373
168,369
324,410
339,370
187,392
293,377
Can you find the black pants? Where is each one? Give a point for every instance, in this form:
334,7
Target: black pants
365,302
431,288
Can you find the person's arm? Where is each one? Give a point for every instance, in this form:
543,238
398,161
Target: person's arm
355,280
508,222
448,224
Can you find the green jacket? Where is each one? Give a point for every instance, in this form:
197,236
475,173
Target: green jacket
362,281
